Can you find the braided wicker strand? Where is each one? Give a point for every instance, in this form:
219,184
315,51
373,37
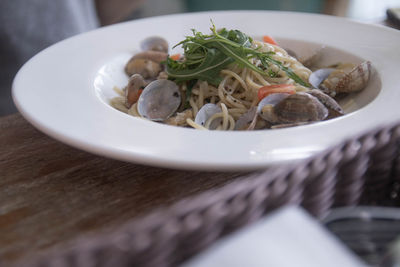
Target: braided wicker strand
378,178
394,190
364,168
351,171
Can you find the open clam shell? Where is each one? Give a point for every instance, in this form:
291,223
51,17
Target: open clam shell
205,113
132,91
344,79
335,110
310,59
245,122
354,81
146,63
318,76
159,100
266,106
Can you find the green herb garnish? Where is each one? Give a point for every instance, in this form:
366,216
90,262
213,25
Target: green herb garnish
206,55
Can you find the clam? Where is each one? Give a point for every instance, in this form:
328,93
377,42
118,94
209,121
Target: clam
291,52
300,107
307,57
310,59
318,76
353,81
132,91
247,120
154,43
296,108
159,100
205,113
334,109
287,125
267,105
147,64
155,56
344,79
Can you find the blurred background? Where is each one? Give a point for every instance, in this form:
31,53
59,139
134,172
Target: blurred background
27,27
365,10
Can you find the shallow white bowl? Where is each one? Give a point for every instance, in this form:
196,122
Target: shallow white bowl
65,90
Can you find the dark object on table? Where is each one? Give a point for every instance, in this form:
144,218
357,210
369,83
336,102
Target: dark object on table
393,15
368,231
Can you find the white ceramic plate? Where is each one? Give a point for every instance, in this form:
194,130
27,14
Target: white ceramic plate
64,92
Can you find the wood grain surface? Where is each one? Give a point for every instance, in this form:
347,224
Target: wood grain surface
51,193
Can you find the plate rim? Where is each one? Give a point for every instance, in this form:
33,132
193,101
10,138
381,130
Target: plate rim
161,161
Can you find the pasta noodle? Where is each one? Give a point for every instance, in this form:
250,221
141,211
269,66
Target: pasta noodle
236,93
228,81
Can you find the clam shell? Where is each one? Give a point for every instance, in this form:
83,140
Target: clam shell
159,100
354,80
245,122
205,113
300,107
310,59
147,64
154,43
318,76
287,125
266,106
136,82
335,110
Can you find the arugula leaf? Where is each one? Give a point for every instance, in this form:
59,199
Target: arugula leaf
289,72
207,70
235,36
207,55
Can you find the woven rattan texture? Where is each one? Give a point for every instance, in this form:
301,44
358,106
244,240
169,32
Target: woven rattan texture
362,170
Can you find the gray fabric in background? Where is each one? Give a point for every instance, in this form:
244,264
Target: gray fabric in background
29,26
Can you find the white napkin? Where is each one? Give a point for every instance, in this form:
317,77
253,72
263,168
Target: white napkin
288,237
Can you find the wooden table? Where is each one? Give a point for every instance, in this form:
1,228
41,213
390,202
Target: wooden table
51,193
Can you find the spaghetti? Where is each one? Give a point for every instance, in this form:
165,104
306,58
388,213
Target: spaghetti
228,81
235,94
